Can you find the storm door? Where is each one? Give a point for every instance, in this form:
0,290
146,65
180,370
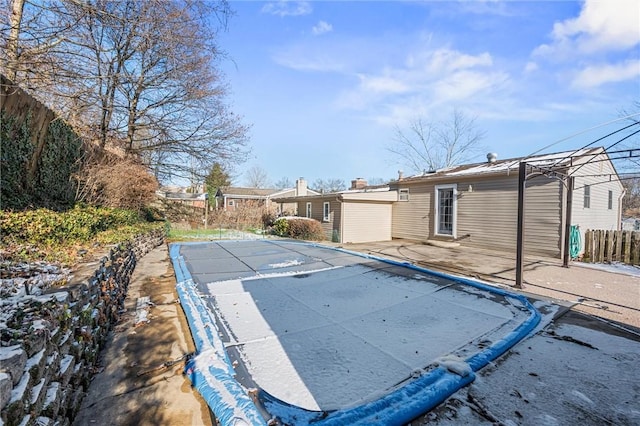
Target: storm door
445,214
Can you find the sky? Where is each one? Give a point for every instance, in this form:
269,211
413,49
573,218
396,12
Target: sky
326,85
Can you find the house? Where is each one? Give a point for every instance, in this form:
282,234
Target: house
176,196
360,214
477,204
631,224
231,198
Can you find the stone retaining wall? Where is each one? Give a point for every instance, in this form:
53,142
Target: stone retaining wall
50,350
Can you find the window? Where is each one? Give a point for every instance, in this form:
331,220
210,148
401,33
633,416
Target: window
403,195
587,197
308,209
445,223
610,200
326,211
231,202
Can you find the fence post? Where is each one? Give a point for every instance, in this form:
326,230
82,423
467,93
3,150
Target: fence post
587,257
635,248
618,255
601,245
627,247
609,246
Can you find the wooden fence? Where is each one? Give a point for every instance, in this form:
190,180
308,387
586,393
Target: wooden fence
612,246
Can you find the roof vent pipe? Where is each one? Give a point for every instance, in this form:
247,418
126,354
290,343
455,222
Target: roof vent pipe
492,157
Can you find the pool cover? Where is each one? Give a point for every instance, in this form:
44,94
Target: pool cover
306,334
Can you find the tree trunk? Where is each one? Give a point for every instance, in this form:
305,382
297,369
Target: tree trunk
17,6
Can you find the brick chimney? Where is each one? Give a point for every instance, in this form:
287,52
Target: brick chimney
358,183
301,187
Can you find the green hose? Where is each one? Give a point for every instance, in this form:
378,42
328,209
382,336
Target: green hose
574,242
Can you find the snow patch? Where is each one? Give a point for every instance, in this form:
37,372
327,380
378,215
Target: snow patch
289,263
455,365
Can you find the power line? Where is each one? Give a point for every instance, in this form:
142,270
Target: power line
610,146
598,140
582,132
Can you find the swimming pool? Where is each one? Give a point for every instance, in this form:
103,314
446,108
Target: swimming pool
299,333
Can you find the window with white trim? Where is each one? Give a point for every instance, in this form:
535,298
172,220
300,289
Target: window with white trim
587,197
308,209
326,211
445,214
610,205
403,194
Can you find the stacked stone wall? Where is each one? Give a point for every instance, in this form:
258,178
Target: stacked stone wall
49,352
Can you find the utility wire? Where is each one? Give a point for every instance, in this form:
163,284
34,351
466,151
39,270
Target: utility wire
582,132
594,142
610,146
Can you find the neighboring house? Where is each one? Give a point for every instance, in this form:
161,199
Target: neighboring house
185,198
359,214
231,198
476,204
631,224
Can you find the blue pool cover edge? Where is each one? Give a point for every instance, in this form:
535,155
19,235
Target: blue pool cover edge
212,374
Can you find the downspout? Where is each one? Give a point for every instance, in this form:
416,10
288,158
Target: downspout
622,194
341,218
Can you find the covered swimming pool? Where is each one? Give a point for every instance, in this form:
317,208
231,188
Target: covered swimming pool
299,333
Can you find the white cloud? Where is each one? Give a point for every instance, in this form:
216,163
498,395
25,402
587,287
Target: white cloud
382,84
446,60
288,8
597,75
428,83
599,45
298,58
464,85
601,26
530,67
321,28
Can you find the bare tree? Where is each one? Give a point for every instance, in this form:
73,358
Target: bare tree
256,177
377,181
283,182
28,39
429,145
631,200
142,75
329,185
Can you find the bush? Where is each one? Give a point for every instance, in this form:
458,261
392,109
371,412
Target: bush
43,226
65,237
299,228
281,227
268,219
117,182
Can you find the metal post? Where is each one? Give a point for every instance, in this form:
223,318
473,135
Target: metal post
567,226
206,210
522,175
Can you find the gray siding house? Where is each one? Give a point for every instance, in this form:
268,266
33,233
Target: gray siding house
231,198
476,204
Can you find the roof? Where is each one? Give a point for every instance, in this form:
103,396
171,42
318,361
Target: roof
239,191
244,192
559,160
182,195
369,193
